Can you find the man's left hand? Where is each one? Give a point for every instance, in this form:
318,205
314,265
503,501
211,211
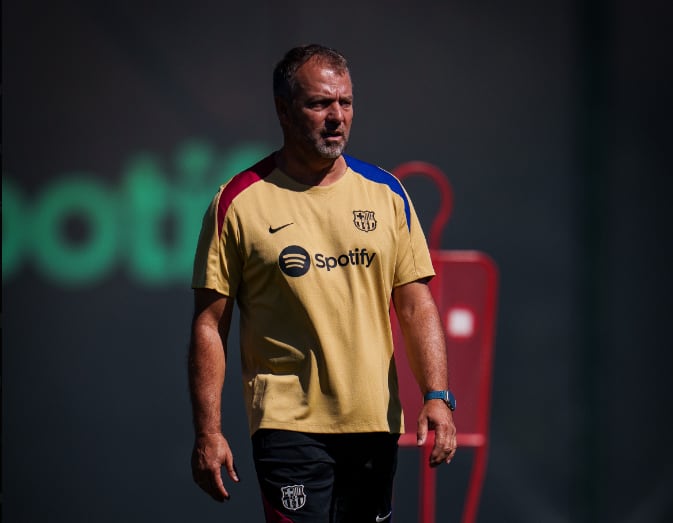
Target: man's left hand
437,416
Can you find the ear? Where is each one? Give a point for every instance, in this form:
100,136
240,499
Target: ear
282,110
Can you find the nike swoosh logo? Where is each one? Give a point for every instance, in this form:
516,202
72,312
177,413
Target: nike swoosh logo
379,518
273,231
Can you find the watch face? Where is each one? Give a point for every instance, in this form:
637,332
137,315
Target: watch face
450,400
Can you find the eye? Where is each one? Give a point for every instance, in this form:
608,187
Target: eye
317,105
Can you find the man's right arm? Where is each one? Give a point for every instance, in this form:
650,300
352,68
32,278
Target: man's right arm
207,365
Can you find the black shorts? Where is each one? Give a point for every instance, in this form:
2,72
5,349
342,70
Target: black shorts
325,478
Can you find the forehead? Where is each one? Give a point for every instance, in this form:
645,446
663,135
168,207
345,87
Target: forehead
320,77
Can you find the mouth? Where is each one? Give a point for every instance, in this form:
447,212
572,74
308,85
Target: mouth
332,135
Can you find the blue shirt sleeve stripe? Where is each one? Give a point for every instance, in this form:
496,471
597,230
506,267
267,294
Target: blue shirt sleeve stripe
378,175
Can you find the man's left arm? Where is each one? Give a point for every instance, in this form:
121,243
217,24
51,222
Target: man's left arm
426,351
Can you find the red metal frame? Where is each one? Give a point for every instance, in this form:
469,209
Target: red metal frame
467,276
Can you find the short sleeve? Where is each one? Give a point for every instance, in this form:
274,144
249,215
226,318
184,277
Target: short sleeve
217,263
413,256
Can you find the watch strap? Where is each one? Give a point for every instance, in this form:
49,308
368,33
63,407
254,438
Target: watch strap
445,395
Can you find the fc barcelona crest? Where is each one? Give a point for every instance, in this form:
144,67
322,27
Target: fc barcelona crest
293,497
364,220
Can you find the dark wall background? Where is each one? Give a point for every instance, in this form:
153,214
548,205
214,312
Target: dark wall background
552,121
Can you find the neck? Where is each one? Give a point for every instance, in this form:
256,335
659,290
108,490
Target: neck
318,171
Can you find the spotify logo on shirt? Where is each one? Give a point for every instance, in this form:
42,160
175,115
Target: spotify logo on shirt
296,261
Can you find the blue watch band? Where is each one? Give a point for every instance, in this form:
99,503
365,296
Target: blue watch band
445,395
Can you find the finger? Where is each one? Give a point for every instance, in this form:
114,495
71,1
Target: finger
218,491
422,431
438,456
442,449
450,454
208,483
230,466
442,456
453,443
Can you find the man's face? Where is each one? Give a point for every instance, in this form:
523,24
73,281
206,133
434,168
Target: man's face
318,120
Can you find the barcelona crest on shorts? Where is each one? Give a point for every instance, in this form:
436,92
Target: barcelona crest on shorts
293,497
364,220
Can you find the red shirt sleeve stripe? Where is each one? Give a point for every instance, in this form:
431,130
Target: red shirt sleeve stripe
240,183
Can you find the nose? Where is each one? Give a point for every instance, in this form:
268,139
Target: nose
335,113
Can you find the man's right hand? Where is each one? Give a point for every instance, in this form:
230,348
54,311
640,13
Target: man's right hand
211,453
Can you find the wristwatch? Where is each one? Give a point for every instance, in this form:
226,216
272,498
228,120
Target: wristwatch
445,395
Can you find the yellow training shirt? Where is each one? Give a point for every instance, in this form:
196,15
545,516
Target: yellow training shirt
312,269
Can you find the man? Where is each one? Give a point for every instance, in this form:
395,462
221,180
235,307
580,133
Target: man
312,244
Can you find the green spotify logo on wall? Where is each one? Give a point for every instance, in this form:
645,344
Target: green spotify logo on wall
78,229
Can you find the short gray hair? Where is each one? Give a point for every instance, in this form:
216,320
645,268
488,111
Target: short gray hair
284,72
